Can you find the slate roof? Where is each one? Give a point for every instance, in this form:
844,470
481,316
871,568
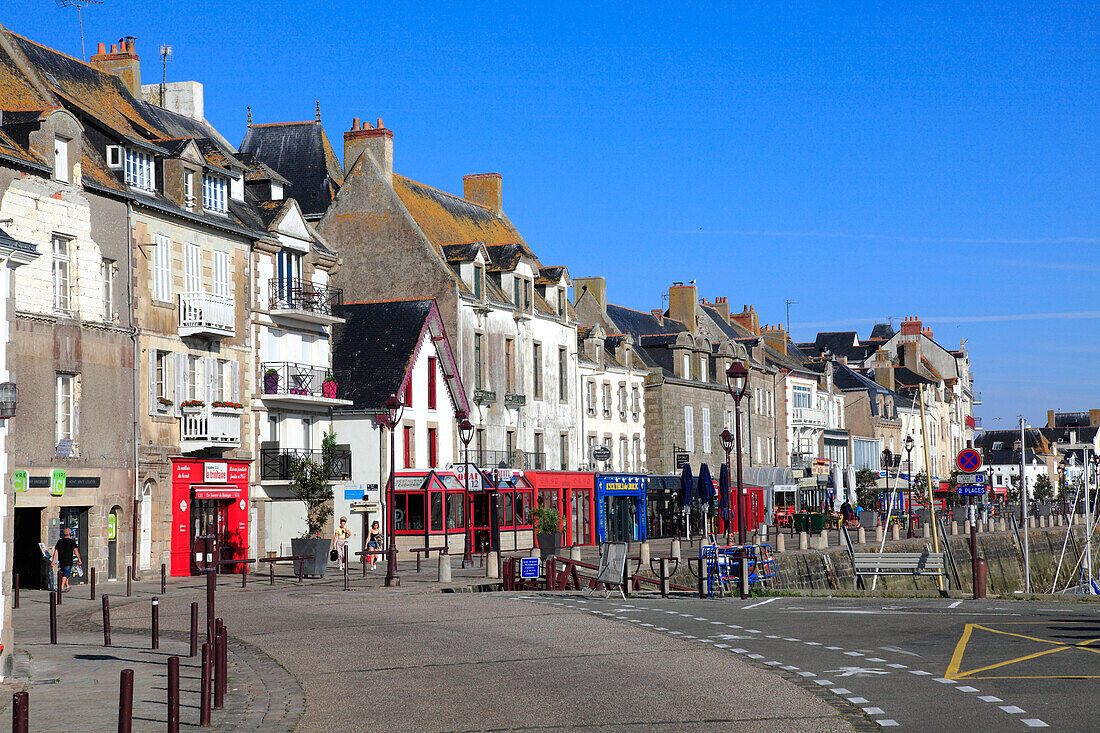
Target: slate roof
551,275
505,257
373,350
448,219
465,252
908,378
302,154
257,170
838,343
1032,437
881,332
638,324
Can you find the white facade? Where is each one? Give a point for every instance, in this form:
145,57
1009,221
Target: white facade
612,404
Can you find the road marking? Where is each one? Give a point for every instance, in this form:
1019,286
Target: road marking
823,683
807,674
1034,723
812,643
858,700
956,604
732,626
648,626
719,623
697,618
874,711
886,722
660,628
687,636
875,659
773,663
1011,709
834,648
895,665
966,688
772,636
740,651
756,656
1056,646
857,671
945,680
989,698
852,654
790,668
761,603
841,691
791,639
919,672
722,646
897,650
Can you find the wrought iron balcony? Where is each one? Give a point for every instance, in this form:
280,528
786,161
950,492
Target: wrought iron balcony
277,464
206,314
490,459
300,384
807,417
484,396
304,301
209,427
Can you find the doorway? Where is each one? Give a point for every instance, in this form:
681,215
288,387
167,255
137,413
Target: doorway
482,522
622,520
209,533
145,549
112,543
580,517
75,519
27,559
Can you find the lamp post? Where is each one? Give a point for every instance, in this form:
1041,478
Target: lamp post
393,414
909,534
887,457
737,380
727,445
466,434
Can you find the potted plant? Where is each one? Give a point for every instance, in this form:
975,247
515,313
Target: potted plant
226,405
163,403
271,381
191,405
309,479
328,387
548,531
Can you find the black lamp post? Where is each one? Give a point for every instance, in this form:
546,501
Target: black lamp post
737,380
909,534
466,434
727,445
886,460
393,414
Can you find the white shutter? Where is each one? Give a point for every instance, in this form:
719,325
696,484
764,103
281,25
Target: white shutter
179,374
152,381
210,374
689,430
235,370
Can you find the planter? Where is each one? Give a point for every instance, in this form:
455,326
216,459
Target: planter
317,548
328,389
271,383
299,390
549,545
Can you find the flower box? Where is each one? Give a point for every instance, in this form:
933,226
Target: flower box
328,388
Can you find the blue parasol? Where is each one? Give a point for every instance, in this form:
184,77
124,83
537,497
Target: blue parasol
687,485
706,484
724,493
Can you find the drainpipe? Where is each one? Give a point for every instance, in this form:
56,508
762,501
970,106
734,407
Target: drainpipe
136,380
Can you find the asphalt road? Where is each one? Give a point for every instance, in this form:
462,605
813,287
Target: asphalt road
910,663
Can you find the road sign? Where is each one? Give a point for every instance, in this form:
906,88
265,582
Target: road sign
528,567
978,490
970,479
968,460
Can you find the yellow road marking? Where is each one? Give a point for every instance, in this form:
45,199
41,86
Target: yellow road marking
953,671
956,657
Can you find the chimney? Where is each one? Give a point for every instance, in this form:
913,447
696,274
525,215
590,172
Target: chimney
911,326
723,307
659,315
681,304
884,374
484,189
927,331
595,287
1050,418
748,319
122,61
775,338
378,141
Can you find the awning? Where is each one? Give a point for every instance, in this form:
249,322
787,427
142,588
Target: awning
228,491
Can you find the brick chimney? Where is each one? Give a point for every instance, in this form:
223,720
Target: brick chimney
911,326
681,304
378,141
927,331
595,287
484,189
122,61
722,305
748,319
775,338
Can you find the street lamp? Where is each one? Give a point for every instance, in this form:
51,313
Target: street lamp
466,434
737,380
393,414
909,534
727,445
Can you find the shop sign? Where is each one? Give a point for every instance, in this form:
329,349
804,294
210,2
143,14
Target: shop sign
238,472
82,482
215,472
19,480
57,482
468,471
112,526
408,483
682,459
600,453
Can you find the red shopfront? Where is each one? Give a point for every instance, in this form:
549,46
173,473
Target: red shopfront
209,500
573,494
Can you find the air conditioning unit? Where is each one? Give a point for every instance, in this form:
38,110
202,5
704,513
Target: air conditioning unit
114,157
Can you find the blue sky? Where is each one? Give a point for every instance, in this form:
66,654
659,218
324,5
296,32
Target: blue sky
868,162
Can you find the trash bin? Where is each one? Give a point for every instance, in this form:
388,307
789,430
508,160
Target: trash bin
817,522
801,522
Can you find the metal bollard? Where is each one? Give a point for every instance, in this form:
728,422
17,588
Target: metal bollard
59,576
221,668
702,578
346,586
194,630
204,685
982,574
20,713
210,585
244,576
126,701
173,695
129,580
664,577
271,573
91,582
744,578
106,620
155,624
15,590
53,616
163,579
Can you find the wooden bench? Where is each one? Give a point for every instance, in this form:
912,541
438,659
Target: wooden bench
427,551
897,563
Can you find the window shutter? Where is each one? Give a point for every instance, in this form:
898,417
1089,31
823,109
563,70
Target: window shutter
235,369
152,381
210,374
179,374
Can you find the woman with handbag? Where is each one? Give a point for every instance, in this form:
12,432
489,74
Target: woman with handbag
340,541
374,542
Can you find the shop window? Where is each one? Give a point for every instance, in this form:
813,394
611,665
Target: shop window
437,511
409,510
455,514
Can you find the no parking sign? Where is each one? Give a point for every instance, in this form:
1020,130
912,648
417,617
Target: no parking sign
968,460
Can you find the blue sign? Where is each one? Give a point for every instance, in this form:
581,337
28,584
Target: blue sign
528,567
978,490
628,485
353,494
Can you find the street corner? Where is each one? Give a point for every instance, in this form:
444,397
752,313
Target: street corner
1052,649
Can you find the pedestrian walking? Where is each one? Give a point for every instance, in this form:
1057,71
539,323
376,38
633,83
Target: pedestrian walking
846,512
66,555
374,542
340,540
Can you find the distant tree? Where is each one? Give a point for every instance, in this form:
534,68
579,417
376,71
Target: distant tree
1013,492
867,490
1043,489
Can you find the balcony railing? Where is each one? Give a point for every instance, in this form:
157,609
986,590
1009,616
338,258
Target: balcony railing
294,380
276,464
304,300
802,460
208,427
206,314
808,416
490,459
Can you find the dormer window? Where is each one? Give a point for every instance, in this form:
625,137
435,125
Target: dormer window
189,189
479,274
214,193
561,302
61,158
139,170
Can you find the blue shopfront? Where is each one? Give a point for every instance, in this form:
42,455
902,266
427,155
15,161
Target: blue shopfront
620,507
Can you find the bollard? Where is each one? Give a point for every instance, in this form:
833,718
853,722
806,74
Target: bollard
91,582
895,532
1031,522
983,572
954,528
927,529
1002,525
664,577
53,616
675,550
744,578
861,536
129,580
225,661
823,543
444,568
15,590
59,586
219,669
701,577
210,585
173,695
271,573
346,586
20,713
155,624
803,541
492,565
204,686
106,620
780,542
643,555
163,580
126,701
575,552
194,630
878,533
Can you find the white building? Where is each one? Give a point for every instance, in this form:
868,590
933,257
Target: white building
612,405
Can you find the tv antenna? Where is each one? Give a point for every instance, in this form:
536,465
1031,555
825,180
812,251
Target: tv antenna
79,5
789,304
165,55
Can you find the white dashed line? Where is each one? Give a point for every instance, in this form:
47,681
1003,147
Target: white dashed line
790,668
897,666
772,636
841,691
824,683
920,672
773,663
660,628
858,700
807,674
834,648
1034,723
756,656
761,603
989,698
753,631
853,654
874,711
739,650
875,659
790,639
732,626
956,604
886,722
718,623
945,681
1011,709
722,646
812,643
966,688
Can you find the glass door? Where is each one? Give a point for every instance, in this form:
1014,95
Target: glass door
580,518
209,533
481,521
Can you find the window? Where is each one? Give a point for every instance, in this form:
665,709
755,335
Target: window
706,429
66,407
624,457
433,448
635,401
273,427
704,372
536,364
108,269
407,397
223,376
479,445
561,302
563,386
607,399
61,158
563,451
866,453
162,268
539,452
689,430
192,268
60,265
477,282
289,266
591,398
478,339
192,378
687,366
139,170
455,518
408,512
408,446
160,375
801,396
510,366
221,274
189,189
637,453
213,193
431,382
510,443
